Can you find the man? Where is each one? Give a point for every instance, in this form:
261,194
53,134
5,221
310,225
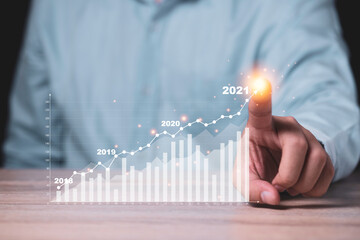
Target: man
151,54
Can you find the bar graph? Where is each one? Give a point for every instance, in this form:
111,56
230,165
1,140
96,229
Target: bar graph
183,175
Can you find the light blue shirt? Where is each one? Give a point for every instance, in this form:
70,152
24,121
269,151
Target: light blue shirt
158,61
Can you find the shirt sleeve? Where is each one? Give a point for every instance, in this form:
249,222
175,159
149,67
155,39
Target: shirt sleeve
315,83
26,134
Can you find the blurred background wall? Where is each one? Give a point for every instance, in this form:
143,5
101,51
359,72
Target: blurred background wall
14,16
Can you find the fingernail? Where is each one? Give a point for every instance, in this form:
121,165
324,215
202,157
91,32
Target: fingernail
265,197
279,188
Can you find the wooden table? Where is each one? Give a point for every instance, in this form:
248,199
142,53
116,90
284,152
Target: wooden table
26,214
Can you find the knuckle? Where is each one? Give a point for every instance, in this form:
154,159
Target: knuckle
302,143
299,142
320,156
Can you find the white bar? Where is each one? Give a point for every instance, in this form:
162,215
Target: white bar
156,184
197,173
173,172
238,167
58,196
83,187
189,165
230,169
222,172
132,184
206,180
214,188
140,186
123,180
75,198
246,165
165,177
148,182
181,170
91,189
116,195
66,193
99,187
107,185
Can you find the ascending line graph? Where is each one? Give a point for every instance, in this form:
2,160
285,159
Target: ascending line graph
176,178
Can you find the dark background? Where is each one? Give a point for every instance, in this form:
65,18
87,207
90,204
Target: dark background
16,15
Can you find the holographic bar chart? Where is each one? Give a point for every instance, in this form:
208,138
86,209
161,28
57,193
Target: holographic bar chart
183,175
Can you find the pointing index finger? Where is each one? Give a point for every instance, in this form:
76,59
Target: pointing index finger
260,114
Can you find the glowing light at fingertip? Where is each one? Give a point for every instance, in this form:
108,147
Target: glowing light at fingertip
259,84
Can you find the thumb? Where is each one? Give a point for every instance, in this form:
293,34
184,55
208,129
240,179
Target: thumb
259,190
263,191
260,105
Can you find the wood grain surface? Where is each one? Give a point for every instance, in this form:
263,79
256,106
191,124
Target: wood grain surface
26,214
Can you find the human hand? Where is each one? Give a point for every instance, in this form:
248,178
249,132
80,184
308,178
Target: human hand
283,154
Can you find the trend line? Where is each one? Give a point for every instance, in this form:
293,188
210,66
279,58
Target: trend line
148,145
